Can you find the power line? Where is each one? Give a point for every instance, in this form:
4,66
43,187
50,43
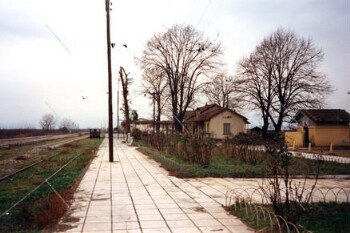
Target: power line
58,39
214,12
51,109
209,13
190,12
203,13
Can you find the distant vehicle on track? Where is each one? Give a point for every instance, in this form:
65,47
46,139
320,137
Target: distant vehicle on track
95,133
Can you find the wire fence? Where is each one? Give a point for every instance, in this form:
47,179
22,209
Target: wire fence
266,220
321,194
249,203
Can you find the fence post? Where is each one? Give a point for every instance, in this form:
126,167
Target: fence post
331,148
309,147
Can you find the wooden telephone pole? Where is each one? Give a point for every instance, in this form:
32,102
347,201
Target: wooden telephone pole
110,107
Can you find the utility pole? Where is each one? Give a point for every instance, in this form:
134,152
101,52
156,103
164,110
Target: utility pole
118,107
349,128
110,107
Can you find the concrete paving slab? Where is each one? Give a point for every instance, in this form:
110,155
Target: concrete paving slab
134,194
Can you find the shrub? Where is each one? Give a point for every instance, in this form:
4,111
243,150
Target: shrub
243,147
288,199
136,133
189,147
197,149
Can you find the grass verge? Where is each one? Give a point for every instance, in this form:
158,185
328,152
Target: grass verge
43,207
320,218
327,218
224,166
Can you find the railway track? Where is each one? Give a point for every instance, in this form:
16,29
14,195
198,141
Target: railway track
51,145
30,140
43,179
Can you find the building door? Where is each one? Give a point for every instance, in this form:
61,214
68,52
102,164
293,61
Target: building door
306,136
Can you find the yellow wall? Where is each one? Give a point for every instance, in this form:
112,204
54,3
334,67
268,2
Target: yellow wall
326,135
216,125
320,136
296,137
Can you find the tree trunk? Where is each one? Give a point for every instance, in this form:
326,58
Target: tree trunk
265,128
178,125
159,112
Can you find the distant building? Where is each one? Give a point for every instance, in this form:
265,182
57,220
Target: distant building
149,126
216,121
320,127
256,131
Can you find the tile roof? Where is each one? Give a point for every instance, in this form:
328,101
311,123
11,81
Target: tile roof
207,112
325,115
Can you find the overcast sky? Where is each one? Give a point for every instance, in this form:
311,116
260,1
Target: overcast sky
53,52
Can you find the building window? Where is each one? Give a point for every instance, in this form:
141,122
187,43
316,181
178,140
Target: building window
227,128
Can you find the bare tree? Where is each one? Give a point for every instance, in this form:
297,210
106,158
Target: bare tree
155,86
186,59
221,91
126,81
69,124
254,85
281,77
48,122
297,83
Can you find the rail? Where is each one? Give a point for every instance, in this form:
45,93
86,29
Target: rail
46,181
29,140
50,146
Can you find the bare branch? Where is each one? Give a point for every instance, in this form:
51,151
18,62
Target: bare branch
281,77
186,60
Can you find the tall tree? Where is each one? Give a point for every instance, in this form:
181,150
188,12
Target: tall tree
221,90
281,76
254,85
68,124
155,86
48,122
297,82
186,59
126,81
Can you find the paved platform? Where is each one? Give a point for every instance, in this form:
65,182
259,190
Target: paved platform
134,194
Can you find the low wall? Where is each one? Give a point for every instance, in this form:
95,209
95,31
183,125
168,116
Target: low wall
319,136
326,135
294,138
